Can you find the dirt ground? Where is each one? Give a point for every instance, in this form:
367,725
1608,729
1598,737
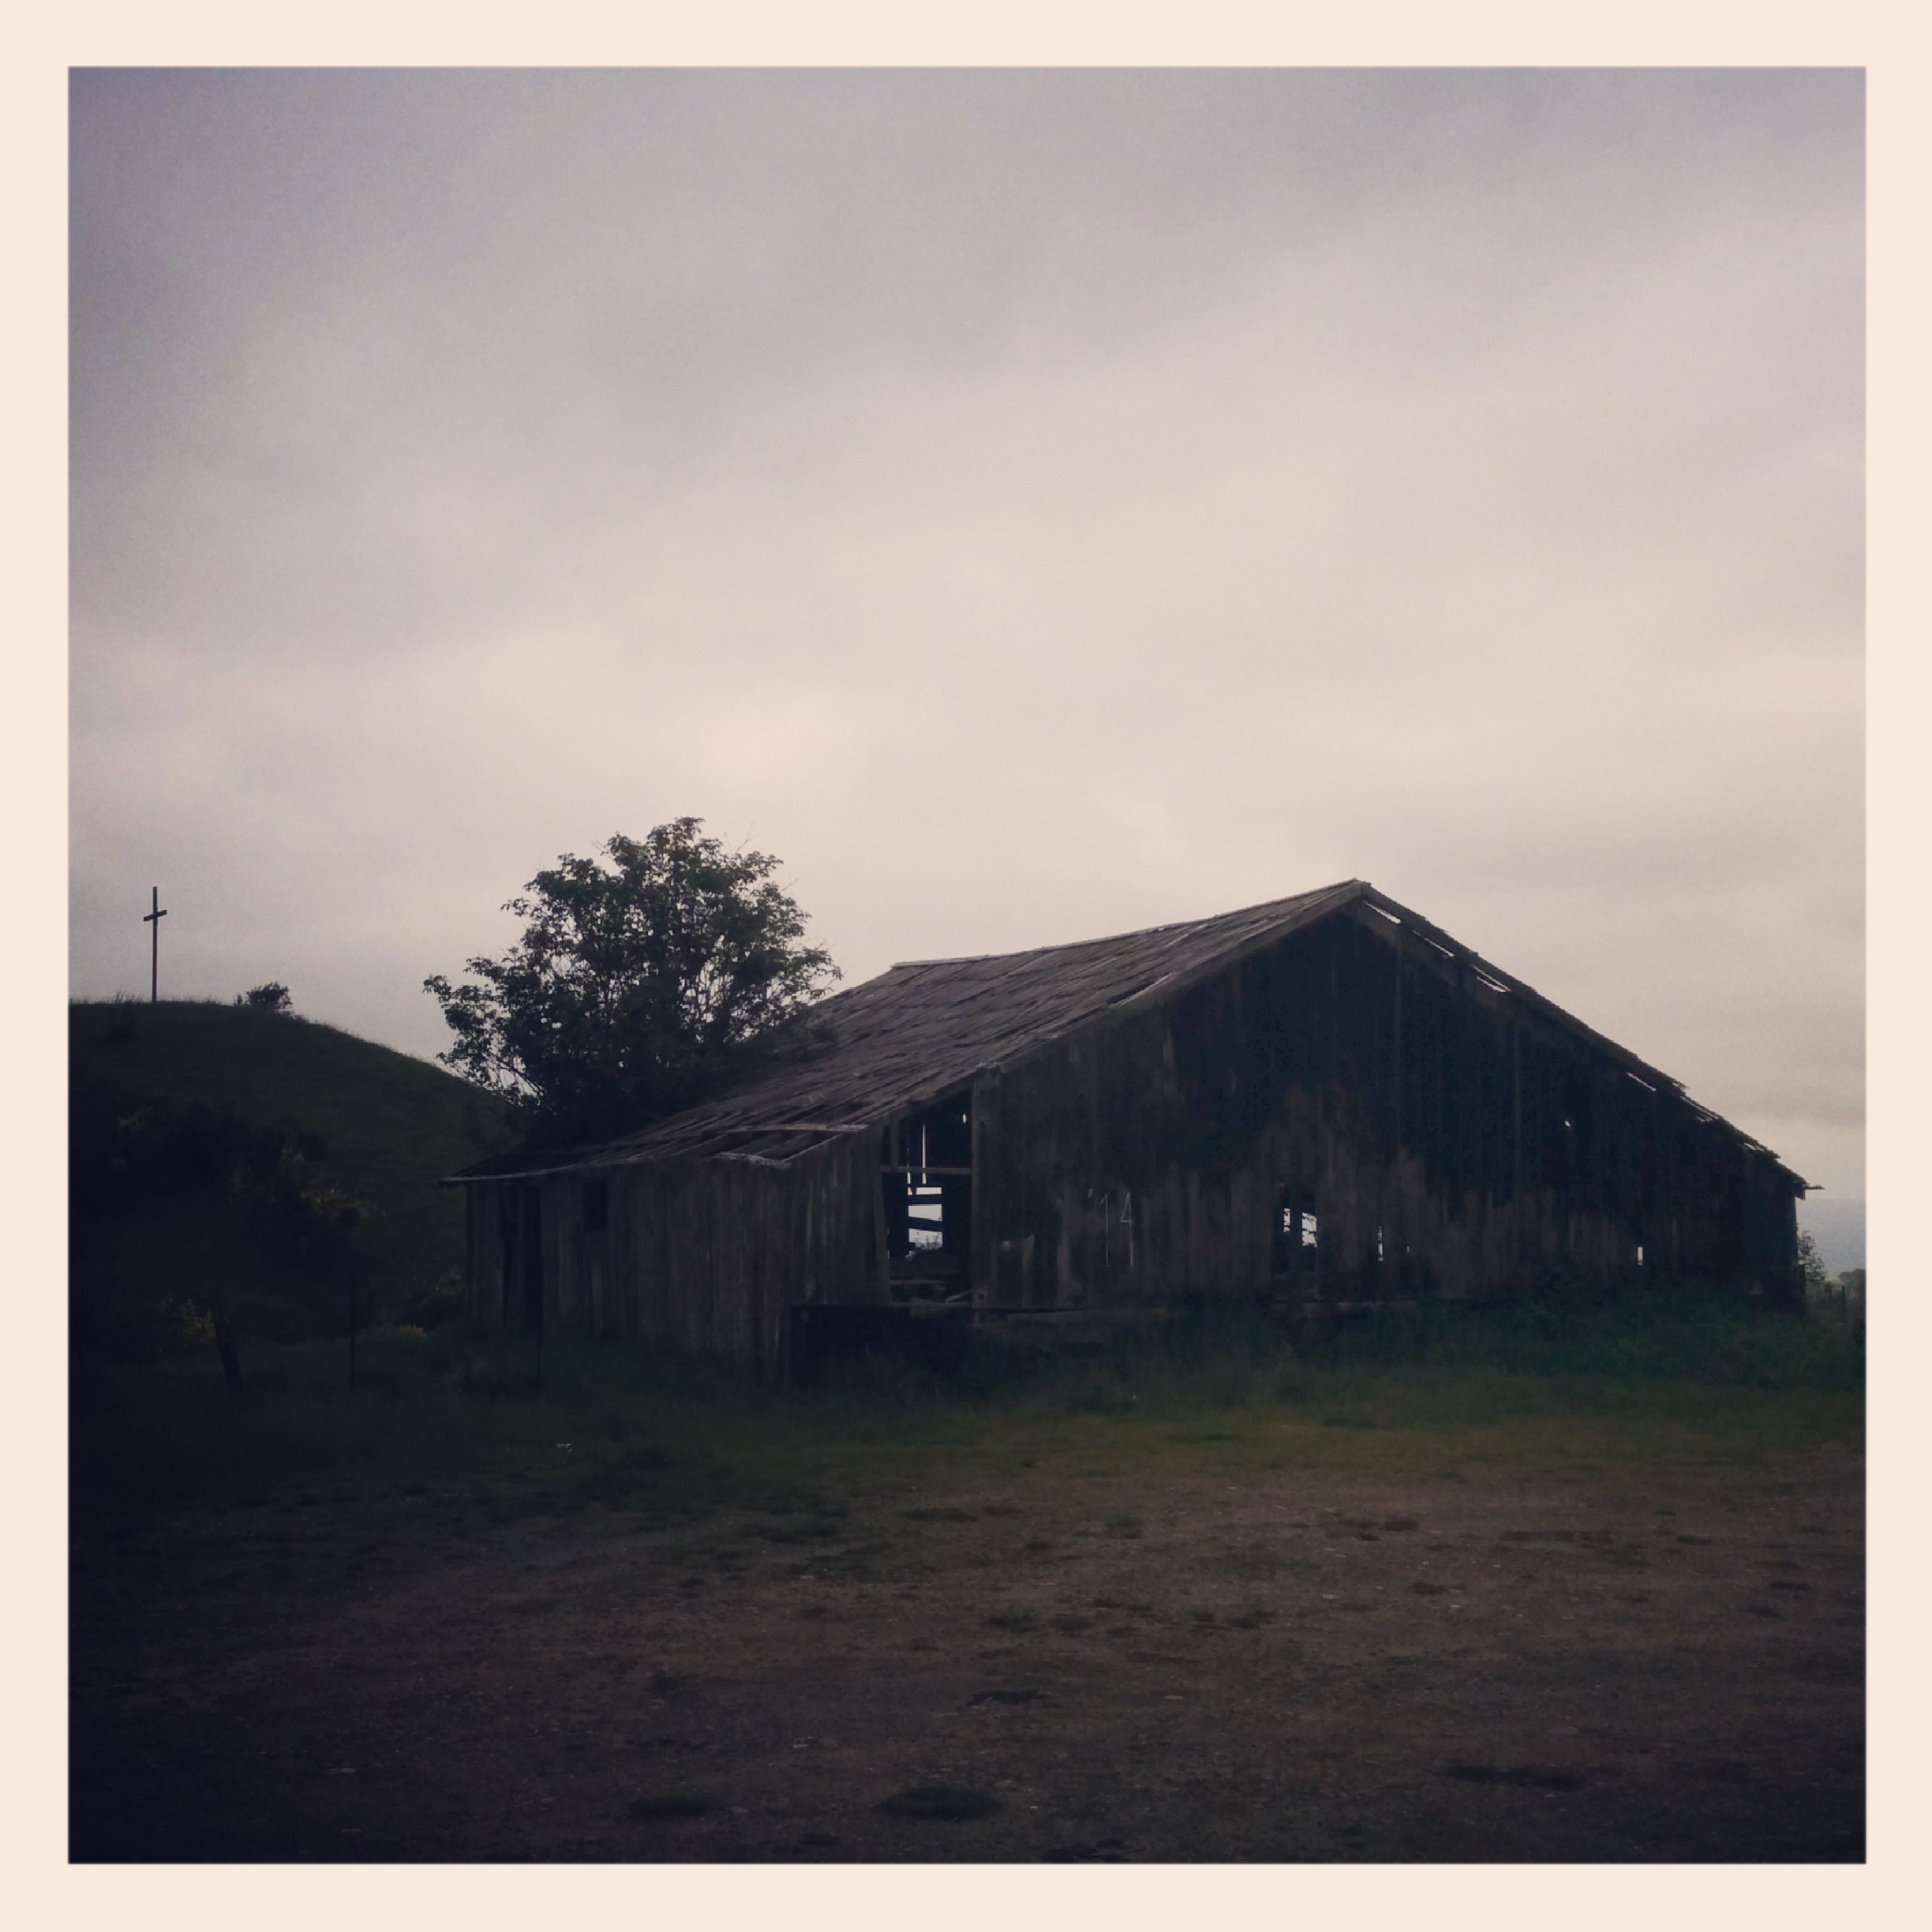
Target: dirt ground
1290,1666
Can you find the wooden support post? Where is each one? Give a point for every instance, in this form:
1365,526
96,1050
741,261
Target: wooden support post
224,1346
1397,1221
881,1235
985,1222
1398,1050
1517,1243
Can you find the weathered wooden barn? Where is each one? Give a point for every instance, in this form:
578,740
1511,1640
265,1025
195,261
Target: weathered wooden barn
1317,1104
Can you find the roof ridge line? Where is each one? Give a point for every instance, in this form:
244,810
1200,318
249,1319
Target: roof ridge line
1137,932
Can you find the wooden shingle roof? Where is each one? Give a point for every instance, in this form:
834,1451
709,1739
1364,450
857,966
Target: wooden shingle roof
925,1028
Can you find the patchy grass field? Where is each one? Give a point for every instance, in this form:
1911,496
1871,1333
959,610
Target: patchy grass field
1450,1599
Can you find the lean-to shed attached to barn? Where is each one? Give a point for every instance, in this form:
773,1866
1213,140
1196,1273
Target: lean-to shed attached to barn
1317,1103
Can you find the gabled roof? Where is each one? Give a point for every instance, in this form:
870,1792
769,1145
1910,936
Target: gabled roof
926,1028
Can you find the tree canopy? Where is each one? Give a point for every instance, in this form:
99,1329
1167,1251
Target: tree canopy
647,976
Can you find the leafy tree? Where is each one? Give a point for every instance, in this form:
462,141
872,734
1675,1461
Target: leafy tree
273,994
646,977
1816,1279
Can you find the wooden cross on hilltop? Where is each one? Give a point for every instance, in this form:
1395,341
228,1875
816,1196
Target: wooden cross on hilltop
154,919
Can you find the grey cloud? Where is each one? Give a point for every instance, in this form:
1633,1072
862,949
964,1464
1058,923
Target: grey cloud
1034,505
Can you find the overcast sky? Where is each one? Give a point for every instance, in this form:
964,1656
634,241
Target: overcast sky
1032,506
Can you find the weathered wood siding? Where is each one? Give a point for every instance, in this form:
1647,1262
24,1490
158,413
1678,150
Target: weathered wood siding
706,1256
1450,1140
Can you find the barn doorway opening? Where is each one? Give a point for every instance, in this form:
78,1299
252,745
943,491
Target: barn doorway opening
926,1178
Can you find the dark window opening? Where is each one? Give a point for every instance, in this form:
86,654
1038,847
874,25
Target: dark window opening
596,1206
939,1138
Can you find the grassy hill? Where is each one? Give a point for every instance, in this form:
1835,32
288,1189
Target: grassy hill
213,1150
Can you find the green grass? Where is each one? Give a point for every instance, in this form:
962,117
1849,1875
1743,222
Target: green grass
617,1427
390,1128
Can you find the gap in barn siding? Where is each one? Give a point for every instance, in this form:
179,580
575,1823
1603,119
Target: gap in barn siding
925,1184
